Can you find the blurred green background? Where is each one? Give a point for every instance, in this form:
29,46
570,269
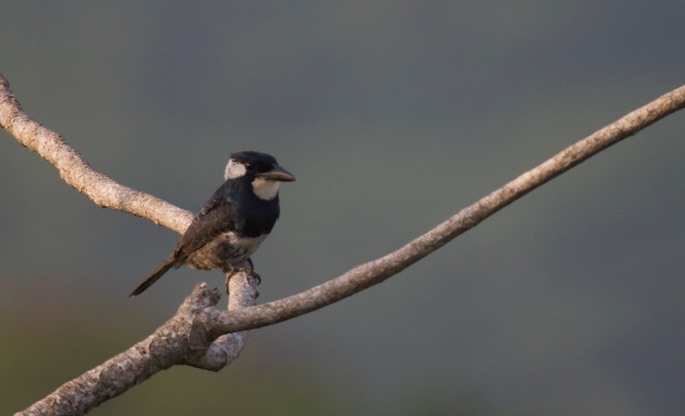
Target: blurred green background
393,116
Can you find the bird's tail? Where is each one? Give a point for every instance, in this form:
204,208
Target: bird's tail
154,276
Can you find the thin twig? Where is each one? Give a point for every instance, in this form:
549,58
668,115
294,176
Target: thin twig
376,271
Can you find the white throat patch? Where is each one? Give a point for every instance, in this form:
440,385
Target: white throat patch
234,170
265,189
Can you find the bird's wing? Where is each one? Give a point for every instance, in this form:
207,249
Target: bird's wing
216,217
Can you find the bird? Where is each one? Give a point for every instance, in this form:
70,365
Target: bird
238,217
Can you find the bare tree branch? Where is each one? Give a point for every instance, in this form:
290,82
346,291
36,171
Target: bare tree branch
202,337
171,344
376,271
76,171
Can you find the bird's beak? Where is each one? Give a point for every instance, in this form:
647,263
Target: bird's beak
277,173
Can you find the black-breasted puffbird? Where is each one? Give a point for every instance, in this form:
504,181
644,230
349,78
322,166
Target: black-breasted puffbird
234,222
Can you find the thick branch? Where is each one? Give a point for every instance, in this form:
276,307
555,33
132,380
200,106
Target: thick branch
173,343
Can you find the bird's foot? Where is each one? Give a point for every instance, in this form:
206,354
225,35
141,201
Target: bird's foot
229,272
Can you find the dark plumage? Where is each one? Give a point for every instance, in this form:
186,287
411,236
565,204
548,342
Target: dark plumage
234,222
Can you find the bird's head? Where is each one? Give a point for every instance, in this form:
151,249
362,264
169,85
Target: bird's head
261,169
